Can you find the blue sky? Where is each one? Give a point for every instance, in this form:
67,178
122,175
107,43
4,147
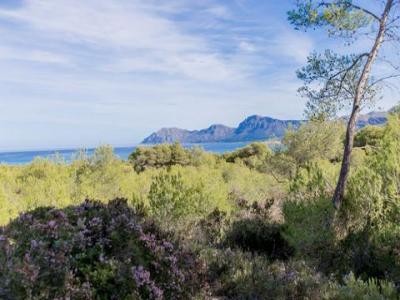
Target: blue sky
80,73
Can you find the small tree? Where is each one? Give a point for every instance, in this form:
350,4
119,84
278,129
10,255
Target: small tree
315,140
333,81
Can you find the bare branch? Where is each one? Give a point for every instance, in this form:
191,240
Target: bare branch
346,71
384,79
365,11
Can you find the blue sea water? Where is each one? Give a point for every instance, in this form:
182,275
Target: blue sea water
25,157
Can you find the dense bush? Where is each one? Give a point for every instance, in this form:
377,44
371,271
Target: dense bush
253,156
369,136
238,275
102,176
371,210
308,227
170,197
166,155
372,289
91,251
257,235
373,194
315,140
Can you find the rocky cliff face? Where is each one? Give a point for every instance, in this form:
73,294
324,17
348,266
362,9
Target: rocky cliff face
372,118
253,128
214,133
262,128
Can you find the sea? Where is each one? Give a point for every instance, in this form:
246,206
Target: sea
25,157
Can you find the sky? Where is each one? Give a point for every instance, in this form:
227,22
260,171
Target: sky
81,73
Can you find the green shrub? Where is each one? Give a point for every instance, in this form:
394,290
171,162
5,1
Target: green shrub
238,275
373,197
165,155
44,182
369,136
309,227
102,176
172,196
8,210
212,228
360,255
370,215
253,156
315,140
256,235
372,289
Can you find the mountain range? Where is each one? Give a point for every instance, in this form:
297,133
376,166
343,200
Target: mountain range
253,128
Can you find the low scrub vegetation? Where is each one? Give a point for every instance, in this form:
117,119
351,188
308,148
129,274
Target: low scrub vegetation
186,224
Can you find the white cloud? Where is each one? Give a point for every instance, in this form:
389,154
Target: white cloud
219,11
38,56
295,45
246,46
124,28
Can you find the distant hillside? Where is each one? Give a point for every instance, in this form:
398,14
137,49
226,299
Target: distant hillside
253,128
214,133
372,118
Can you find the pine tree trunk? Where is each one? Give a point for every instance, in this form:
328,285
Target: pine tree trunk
361,87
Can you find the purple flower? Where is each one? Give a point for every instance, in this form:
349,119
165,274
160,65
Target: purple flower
140,275
52,224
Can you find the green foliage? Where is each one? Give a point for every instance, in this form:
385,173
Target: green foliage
44,183
340,17
8,210
354,289
170,197
251,185
374,190
164,155
330,84
312,180
315,140
102,176
308,227
369,136
257,235
239,275
253,156
372,207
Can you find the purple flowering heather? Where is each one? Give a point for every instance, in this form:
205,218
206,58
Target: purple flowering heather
90,251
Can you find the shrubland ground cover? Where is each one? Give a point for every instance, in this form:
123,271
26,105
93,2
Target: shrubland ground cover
172,223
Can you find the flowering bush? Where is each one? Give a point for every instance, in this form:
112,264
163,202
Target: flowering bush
91,251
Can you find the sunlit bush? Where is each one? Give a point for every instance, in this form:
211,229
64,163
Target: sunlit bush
166,155
184,193
102,176
315,140
253,156
369,136
372,289
43,183
373,197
